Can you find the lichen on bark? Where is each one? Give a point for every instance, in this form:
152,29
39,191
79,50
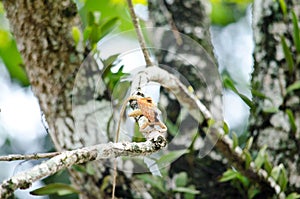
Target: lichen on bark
43,33
270,124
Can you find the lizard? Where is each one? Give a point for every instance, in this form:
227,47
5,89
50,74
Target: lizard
148,109
144,107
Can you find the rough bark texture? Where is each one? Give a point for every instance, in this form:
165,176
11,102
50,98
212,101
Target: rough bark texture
187,17
43,33
197,65
193,55
269,123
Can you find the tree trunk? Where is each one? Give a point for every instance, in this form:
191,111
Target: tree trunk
43,33
191,19
190,51
269,123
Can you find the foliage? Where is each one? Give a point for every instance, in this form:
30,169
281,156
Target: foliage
277,173
229,84
228,11
160,186
240,182
9,53
55,188
61,180
261,159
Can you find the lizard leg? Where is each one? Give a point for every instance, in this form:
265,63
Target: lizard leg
160,124
135,113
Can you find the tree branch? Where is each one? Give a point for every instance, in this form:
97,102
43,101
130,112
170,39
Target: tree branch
13,157
139,33
68,158
223,142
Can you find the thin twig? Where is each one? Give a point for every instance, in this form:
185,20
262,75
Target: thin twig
114,179
148,61
139,33
35,156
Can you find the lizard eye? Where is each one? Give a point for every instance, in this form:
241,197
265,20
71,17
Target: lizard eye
149,100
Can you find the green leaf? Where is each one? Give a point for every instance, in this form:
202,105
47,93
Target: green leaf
79,168
283,7
190,195
282,178
252,192
248,159
106,182
108,10
259,94
260,159
170,157
225,12
229,84
90,18
154,181
108,61
11,58
246,100
90,169
296,34
288,55
76,34
86,33
172,128
270,110
292,120
181,179
95,35
267,165
55,188
275,173
293,196
244,180
186,190
1,8
235,140
84,169
211,122
249,143
228,175
293,87
225,128
111,78
108,26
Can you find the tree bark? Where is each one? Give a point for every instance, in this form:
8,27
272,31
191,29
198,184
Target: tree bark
43,33
269,122
191,19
